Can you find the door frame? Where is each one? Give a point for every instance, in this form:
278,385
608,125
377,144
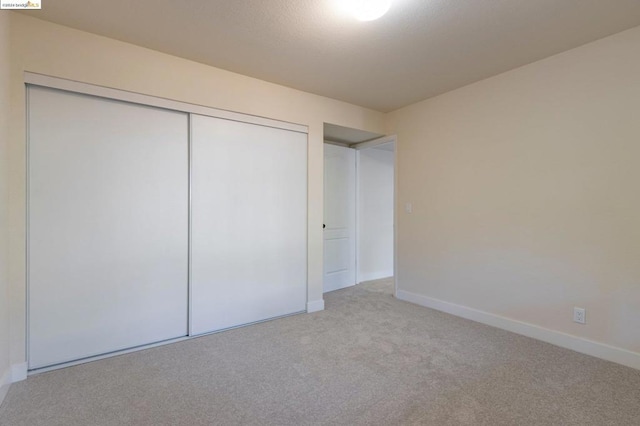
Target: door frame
72,86
371,144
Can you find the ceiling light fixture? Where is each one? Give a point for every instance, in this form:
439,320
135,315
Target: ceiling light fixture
366,10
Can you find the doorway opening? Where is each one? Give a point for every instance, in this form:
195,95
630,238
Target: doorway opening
359,207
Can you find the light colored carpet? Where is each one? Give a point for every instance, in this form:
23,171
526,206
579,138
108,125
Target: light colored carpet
367,360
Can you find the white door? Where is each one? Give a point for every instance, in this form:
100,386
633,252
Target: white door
108,226
249,223
339,217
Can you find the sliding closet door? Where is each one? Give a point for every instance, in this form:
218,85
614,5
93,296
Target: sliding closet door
108,226
249,223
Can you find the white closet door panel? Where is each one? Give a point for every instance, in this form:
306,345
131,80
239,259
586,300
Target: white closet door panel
249,223
108,226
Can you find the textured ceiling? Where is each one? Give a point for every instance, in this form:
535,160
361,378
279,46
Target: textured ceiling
421,48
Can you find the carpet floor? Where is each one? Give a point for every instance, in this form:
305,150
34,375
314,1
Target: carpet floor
368,359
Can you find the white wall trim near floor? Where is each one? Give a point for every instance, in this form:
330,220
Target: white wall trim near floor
5,382
19,372
578,344
16,373
363,278
315,306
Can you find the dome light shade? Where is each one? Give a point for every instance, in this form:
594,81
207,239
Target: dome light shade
366,10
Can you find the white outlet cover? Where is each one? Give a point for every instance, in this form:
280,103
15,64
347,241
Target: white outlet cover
579,315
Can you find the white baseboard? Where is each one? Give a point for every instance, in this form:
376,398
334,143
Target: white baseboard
374,277
315,306
578,344
5,382
18,372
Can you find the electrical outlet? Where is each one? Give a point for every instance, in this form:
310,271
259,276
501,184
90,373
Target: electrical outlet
408,208
579,315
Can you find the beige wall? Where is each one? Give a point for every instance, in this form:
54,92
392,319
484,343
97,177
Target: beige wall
4,137
46,48
523,185
525,192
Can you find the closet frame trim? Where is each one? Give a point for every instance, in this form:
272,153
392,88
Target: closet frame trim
154,101
45,81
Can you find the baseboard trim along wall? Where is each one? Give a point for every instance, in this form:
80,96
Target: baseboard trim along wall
18,372
315,306
5,382
568,341
363,278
